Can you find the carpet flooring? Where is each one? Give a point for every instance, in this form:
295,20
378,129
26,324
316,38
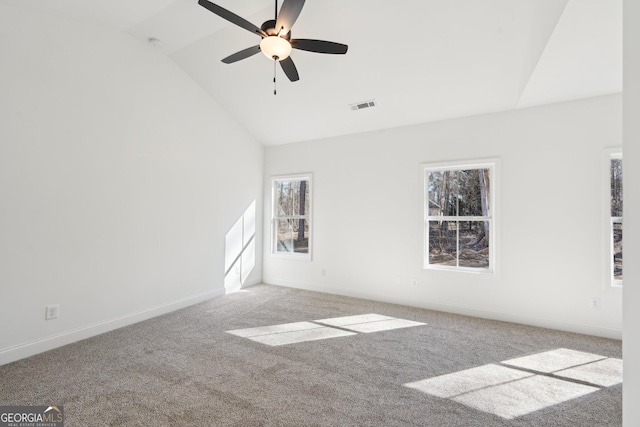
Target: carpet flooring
275,356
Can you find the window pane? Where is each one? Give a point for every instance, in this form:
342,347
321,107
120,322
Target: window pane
304,198
442,243
292,235
434,189
617,250
443,190
459,192
292,198
284,198
616,187
284,235
301,236
474,244
473,193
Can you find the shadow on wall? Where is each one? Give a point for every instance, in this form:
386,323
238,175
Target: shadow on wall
240,250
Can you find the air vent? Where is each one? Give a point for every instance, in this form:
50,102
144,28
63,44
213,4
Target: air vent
362,105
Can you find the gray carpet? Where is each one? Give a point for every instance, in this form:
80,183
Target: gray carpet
421,368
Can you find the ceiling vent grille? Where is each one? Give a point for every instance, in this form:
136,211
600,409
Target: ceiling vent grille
362,105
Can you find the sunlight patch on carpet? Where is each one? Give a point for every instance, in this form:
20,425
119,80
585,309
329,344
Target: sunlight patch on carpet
458,383
351,320
527,384
289,333
524,396
273,329
367,323
554,360
605,373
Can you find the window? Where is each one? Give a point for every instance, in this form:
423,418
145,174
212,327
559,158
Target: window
458,217
615,224
291,216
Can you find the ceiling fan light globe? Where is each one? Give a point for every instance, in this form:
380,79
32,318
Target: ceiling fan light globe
275,47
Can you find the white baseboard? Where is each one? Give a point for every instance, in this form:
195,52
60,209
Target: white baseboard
542,322
20,351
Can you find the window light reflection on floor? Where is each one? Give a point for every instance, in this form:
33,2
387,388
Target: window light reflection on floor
291,333
367,323
604,373
524,396
554,360
525,384
461,382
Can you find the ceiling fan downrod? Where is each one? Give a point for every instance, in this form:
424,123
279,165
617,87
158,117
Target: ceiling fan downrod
275,58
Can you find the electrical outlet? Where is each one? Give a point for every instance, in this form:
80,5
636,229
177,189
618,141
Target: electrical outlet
414,282
323,272
51,312
594,303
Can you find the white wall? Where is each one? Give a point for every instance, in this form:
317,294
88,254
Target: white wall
119,179
367,210
631,132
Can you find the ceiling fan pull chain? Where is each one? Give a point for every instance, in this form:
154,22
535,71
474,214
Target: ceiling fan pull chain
274,76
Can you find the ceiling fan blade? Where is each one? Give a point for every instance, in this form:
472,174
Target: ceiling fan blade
289,12
231,17
319,46
245,53
289,69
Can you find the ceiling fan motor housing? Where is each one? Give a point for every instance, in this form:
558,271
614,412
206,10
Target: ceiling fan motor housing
269,27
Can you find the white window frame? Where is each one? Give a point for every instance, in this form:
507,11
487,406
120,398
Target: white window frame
492,165
307,217
610,154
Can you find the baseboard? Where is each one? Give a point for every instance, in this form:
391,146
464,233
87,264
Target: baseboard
21,351
542,322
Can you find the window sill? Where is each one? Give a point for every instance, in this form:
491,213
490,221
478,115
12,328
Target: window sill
489,271
292,256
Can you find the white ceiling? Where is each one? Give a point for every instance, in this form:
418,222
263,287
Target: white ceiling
421,60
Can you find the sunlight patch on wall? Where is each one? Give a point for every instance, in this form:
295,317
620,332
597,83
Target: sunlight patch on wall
527,384
240,250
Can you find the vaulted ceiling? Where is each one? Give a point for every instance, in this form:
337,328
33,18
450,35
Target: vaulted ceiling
420,60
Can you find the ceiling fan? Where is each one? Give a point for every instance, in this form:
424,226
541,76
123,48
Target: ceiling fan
276,40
